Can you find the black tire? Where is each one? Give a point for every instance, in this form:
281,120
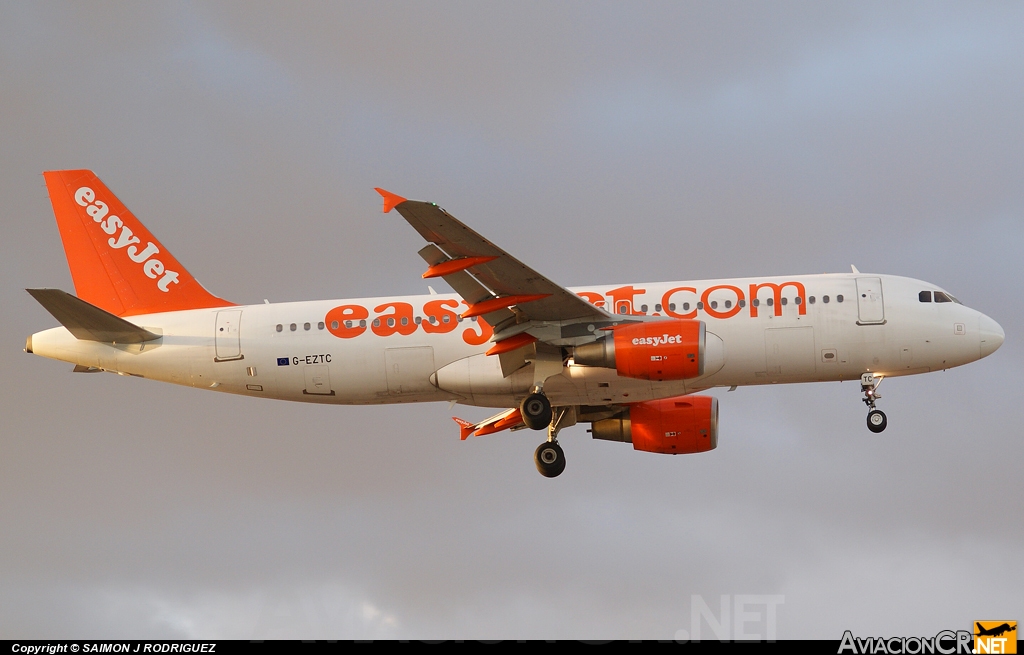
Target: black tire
536,411
550,459
876,420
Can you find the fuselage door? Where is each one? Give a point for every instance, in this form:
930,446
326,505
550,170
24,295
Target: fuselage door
789,354
870,310
409,370
227,337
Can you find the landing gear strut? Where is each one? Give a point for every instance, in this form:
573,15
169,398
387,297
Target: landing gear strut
549,457
876,418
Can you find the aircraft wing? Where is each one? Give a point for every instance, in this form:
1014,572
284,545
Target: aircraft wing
495,285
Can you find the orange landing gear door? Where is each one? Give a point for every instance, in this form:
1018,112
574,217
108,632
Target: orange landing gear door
227,336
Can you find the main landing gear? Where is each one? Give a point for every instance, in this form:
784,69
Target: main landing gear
536,411
537,415
876,418
550,459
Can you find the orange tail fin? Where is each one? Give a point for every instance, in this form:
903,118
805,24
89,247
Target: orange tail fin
116,263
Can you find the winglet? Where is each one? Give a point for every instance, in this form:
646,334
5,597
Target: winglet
854,269
465,427
390,199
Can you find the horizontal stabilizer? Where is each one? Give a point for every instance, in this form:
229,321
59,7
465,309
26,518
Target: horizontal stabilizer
88,322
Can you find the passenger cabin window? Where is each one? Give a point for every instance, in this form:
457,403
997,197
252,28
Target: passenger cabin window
824,299
811,300
643,308
279,327
941,297
839,298
672,306
785,301
657,307
292,327
714,304
925,296
305,326
320,325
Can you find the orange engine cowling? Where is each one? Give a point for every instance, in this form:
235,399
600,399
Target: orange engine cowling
675,426
659,350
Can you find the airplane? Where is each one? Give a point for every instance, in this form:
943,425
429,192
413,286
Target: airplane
629,359
996,631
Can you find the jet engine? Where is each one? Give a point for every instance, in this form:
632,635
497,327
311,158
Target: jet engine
659,350
674,426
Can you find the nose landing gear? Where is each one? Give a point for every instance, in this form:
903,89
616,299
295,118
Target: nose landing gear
876,418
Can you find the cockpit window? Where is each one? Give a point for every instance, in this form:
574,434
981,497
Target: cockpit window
941,297
925,296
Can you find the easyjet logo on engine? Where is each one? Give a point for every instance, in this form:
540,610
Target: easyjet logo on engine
657,341
126,239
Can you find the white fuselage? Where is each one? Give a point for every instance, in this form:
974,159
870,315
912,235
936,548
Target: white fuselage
880,326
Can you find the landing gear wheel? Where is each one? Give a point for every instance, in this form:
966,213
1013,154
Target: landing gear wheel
550,459
876,420
536,411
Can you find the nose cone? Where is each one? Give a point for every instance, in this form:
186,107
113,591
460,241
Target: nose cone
991,335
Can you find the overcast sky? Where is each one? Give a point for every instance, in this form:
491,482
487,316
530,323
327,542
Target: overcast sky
600,143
